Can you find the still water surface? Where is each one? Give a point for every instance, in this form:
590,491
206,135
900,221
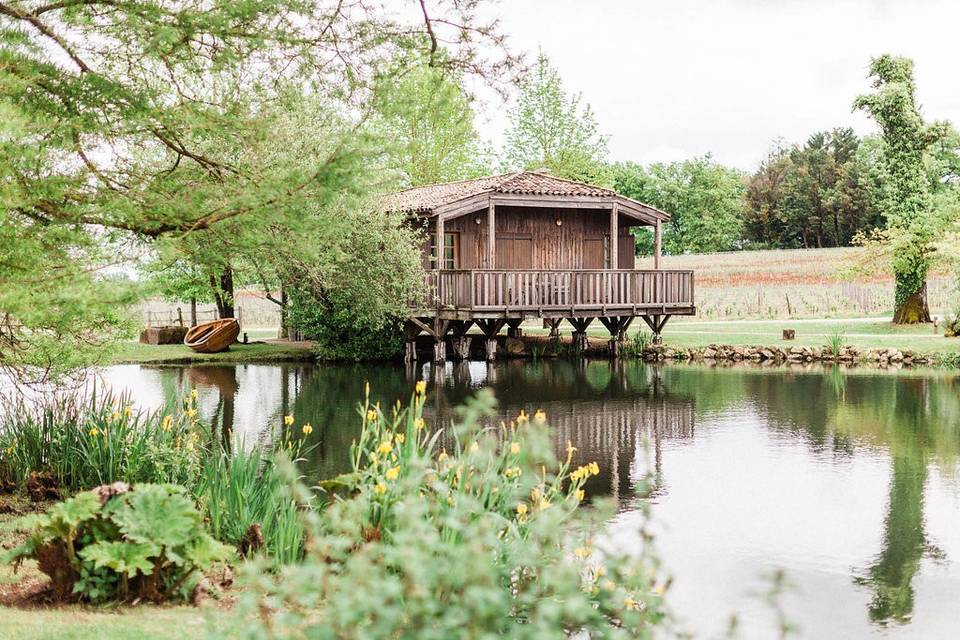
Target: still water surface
848,481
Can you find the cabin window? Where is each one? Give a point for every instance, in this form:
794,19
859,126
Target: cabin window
451,251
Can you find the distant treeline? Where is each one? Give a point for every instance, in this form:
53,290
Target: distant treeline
821,193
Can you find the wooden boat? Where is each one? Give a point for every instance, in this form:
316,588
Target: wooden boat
214,336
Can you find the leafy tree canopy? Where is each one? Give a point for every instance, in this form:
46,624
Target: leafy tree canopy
157,122
551,129
703,197
425,119
811,195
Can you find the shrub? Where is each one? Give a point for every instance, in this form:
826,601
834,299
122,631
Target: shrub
84,441
641,342
341,330
79,442
474,533
836,342
120,543
952,324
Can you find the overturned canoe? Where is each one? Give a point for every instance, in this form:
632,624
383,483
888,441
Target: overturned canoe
214,336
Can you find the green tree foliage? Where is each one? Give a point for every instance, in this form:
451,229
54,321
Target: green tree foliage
155,120
426,121
904,200
348,300
551,129
703,197
814,195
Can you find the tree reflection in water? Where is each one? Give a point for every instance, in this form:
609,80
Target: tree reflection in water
622,414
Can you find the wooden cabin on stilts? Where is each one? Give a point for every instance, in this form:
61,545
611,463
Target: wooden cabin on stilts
519,246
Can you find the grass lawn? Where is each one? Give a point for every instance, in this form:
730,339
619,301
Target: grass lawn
90,623
872,333
256,351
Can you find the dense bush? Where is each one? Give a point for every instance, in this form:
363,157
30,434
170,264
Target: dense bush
121,543
952,324
342,330
474,533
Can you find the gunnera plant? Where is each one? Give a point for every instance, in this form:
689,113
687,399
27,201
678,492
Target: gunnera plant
121,543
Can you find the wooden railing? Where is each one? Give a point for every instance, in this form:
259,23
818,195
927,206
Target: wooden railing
522,290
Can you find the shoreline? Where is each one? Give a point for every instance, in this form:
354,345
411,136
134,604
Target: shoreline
537,345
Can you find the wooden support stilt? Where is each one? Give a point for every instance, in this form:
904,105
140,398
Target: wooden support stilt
656,324
617,326
490,329
614,347
461,347
459,340
513,328
554,325
491,348
579,335
439,332
410,332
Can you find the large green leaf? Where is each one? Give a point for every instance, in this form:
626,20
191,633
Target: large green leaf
122,557
206,550
64,518
156,514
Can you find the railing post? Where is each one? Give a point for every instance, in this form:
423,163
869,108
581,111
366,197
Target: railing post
657,243
614,235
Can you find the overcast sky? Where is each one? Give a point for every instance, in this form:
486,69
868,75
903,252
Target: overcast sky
676,78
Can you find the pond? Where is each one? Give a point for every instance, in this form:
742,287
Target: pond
848,481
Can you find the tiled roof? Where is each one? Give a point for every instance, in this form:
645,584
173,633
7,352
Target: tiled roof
428,197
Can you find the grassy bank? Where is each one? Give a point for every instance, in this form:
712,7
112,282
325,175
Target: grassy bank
76,622
273,351
867,333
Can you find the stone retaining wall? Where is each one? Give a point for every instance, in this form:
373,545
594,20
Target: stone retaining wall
796,354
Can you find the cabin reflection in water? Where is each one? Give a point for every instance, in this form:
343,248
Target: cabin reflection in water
615,414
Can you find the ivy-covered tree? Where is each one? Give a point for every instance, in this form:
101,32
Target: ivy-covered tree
553,130
704,198
905,196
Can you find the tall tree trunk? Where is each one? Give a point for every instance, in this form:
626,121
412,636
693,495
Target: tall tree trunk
223,293
193,311
284,320
914,308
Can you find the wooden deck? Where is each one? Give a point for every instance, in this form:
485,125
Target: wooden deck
466,294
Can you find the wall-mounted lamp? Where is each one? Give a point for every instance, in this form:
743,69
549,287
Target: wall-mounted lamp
476,219
559,222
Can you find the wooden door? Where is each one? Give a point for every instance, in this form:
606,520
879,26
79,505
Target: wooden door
514,251
594,253
626,252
